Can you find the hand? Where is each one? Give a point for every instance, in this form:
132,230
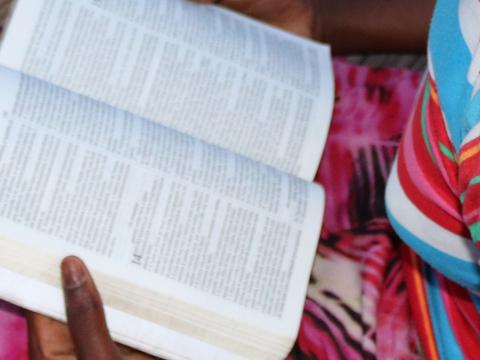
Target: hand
86,336
297,16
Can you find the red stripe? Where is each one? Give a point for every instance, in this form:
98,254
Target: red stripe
428,168
411,265
426,206
434,177
436,125
464,333
470,169
465,305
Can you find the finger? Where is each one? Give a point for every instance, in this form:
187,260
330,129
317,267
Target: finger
85,315
48,338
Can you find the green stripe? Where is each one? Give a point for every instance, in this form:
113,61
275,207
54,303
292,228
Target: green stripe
475,231
474,181
426,97
447,152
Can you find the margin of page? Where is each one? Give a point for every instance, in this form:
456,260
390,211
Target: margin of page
319,127
13,48
297,293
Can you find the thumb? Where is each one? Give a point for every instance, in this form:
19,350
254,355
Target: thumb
85,315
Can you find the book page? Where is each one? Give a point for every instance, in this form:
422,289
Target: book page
178,232
198,69
125,328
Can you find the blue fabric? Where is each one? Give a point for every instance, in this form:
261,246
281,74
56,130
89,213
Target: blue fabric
472,115
448,346
463,272
451,60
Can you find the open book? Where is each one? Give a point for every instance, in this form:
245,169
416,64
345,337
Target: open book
172,147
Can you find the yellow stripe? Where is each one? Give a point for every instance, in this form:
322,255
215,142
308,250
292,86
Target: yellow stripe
434,95
464,155
422,303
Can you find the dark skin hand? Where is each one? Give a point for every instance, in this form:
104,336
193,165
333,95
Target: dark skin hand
86,336
349,26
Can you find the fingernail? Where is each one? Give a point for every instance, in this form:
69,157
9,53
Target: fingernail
73,273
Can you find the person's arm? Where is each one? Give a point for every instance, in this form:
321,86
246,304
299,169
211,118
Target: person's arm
349,26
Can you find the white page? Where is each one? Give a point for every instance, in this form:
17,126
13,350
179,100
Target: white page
201,70
146,204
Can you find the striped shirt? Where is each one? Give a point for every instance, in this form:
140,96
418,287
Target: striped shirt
433,194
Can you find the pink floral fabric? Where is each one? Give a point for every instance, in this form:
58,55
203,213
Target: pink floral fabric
13,333
357,304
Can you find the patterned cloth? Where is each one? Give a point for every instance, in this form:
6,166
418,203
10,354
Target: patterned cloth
357,306
357,302
13,333
433,195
